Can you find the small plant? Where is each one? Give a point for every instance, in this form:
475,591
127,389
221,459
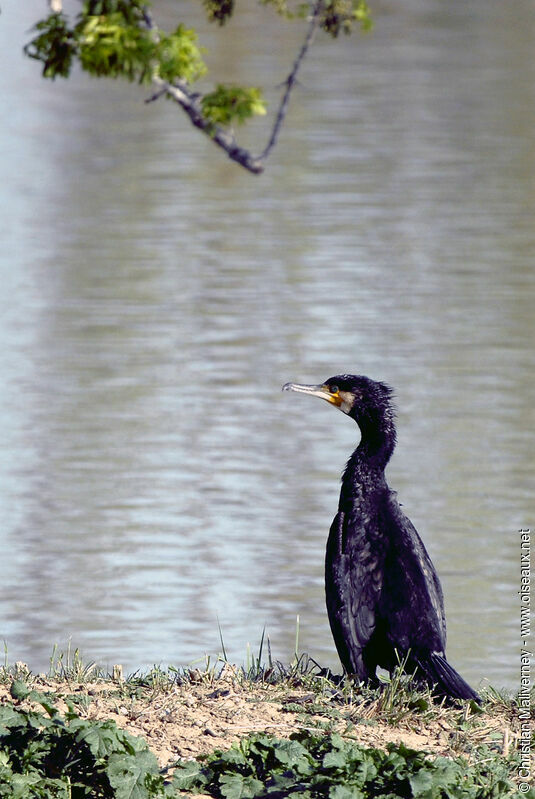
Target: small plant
307,766
69,666
46,755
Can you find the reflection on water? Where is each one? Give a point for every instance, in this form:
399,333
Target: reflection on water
154,479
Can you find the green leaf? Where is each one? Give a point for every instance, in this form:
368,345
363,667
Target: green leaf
50,709
282,785
229,104
236,786
128,775
100,738
345,792
335,759
54,46
178,56
19,690
234,756
189,774
365,771
9,717
292,754
422,783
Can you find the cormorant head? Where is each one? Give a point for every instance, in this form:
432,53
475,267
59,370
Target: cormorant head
367,401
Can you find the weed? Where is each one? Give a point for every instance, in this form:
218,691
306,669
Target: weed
46,755
69,666
308,765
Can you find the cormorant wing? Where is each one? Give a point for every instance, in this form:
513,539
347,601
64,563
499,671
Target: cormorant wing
424,605
353,581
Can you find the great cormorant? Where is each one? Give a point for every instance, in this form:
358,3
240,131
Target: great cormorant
384,599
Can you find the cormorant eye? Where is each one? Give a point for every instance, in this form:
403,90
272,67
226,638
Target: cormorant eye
333,389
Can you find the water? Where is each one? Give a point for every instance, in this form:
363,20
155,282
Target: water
154,480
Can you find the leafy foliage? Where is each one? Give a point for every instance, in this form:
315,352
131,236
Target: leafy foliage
45,755
55,46
108,46
118,39
228,104
115,43
340,15
178,56
218,10
309,766
335,15
48,755
131,10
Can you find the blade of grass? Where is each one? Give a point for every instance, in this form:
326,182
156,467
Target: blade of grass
225,658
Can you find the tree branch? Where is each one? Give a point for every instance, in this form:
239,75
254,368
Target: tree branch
292,78
180,92
189,101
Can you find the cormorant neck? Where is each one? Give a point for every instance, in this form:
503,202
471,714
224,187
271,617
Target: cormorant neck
377,443
364,472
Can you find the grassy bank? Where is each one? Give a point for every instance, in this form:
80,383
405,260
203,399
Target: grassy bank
244,732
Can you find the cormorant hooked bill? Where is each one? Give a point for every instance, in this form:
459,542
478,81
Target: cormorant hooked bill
384,598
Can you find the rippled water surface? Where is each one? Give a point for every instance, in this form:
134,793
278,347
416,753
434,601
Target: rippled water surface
154,480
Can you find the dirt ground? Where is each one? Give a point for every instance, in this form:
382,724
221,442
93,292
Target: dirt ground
203,714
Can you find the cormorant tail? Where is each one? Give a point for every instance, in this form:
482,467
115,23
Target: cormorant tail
439,672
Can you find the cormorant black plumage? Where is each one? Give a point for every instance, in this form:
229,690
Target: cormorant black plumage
384,598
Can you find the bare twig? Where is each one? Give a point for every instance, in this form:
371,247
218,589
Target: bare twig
292,78
147,16
157,95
